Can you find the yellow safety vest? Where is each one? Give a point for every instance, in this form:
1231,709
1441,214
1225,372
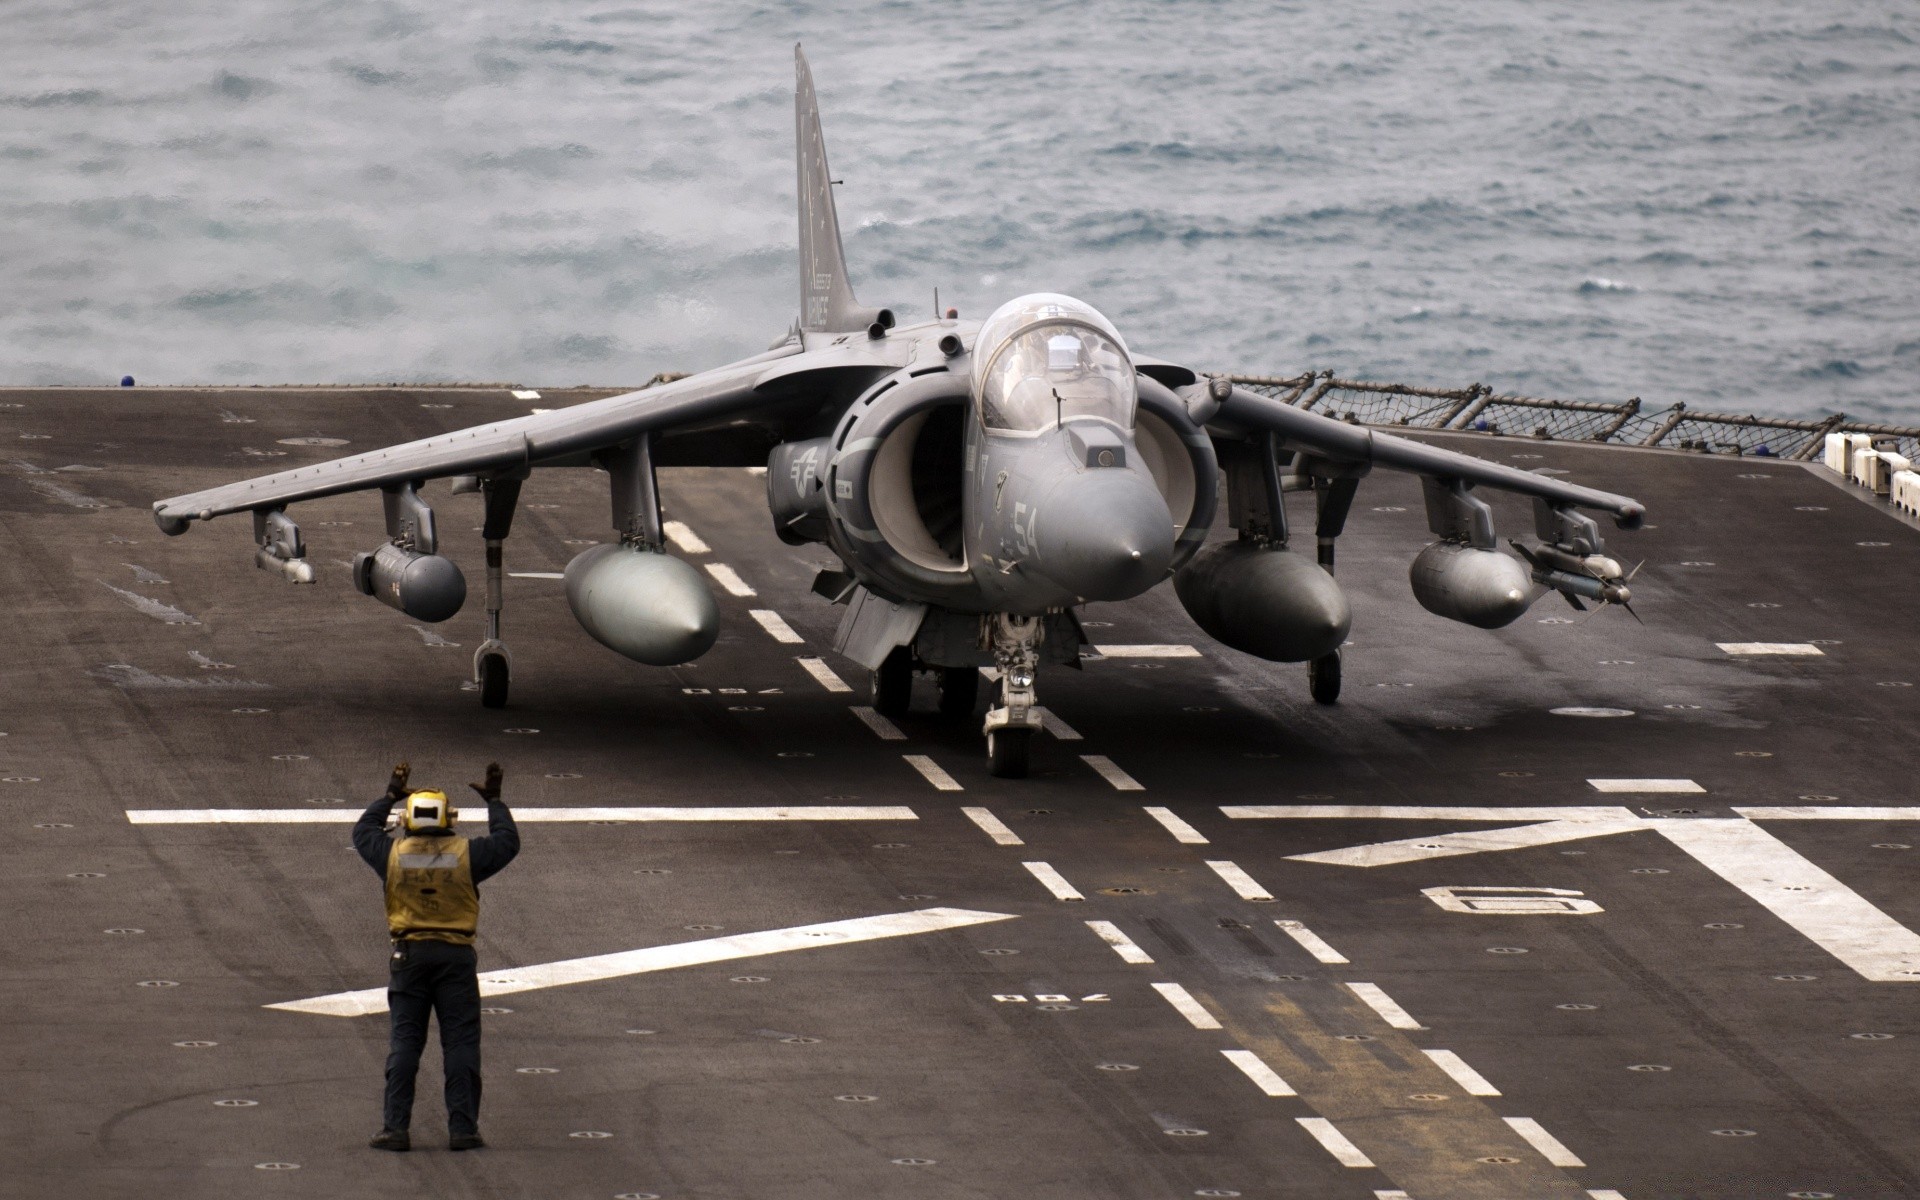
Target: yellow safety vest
430,891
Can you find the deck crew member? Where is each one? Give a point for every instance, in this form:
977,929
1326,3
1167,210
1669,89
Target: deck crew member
433,908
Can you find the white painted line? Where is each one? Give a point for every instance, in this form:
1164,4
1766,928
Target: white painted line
993,827
1548,1145
1801,649
1121,781
1390,1194
934,773
1604,1194
1237,879
1264,1077
1471,1081
1061,731
1053,881
1477,841
665,958
1334,1142
1184,1004
824,674
1678,786
1311,942
1823,813
1181,831
1417,812
1375,998
776,626
1147,651
535,575
289,816
888,731
1124,946
729,579
685,539
525,394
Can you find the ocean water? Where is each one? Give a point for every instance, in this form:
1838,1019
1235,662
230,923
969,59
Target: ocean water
1715,202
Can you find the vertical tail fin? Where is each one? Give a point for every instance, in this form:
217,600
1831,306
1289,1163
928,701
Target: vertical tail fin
827,303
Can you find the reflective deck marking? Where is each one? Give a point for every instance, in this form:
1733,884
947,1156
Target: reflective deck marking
1548,1145
1604,1194
1334,1142
1372,995
1061,731
1803,649
535,575
1471,1081
1184,1004
1264,1077
887,730
1121,781
729,579
1683,786
1390,1194
1445,845
993,827
685,539
1122,945
1053,881
1181,831
1823,813
1311,942
776,626
1237,879
665,958
935,774
288,816
1147,651
824,674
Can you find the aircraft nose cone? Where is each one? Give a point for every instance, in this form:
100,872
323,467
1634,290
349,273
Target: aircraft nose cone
1105,535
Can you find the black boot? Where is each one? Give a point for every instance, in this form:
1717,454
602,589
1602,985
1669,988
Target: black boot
466,1141
391,1139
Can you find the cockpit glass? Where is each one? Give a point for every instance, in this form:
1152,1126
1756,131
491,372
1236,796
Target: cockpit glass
1054,372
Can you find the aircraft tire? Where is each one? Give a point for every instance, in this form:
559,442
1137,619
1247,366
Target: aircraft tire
1323,678
959,692
1007,752
493,681
893,684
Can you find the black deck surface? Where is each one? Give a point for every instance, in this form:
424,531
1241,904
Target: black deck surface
144,672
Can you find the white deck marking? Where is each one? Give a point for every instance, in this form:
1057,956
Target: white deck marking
1376,998
1390,1194
1061,731
535,575
1264,1077
290,816
1823,813
992,826
1121,781
685,539
1184,1004
1334,1142
1124,946
1548,1145
1415,812
776,626
1804,649
887,730
1053,881
665,958
1182,832
525,394
1604,1194
935,774
1477,841
824,674
729,579
1311,942
1237,879
1147,651
1678,786
1471,1081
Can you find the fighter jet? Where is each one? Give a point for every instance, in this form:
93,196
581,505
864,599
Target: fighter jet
978,482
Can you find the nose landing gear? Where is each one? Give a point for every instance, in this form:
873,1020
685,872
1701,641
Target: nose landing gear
1011,725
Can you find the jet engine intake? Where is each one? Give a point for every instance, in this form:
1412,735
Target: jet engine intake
651,607
426,587
1484,588
1272,604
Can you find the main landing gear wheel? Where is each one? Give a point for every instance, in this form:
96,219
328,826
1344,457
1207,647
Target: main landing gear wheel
1323,678
893,683
493,681
1007,752
959,691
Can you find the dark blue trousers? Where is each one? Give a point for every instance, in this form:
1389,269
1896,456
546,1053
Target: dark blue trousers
439,978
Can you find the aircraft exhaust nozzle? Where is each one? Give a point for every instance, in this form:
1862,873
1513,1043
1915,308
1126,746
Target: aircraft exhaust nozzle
1104,535
1484,588
652,608
426,587
1272,604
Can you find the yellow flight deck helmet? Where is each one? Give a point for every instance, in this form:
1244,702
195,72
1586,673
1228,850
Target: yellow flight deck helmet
428,812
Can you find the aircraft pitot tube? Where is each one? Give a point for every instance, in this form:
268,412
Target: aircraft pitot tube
649,606
1270,603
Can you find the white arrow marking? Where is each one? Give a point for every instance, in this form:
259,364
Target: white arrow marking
306,816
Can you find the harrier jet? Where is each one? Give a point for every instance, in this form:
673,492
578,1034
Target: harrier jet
978,481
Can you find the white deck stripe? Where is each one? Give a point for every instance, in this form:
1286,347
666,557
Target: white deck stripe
993,827
1311,942
1121,781
1390,1194
1680,786
1124,946
1184,1004
1478,841
1181,831
776,626
885,729
1053,881
1471,1081
535,575
1548,1145
292,816
1376,998
1264,1077
935,774
1797,812
1061,731
1604,1194
1237,879
1797,649
686,539
1419,812
1334,1142
823,674
729,579
1147,651
665,958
